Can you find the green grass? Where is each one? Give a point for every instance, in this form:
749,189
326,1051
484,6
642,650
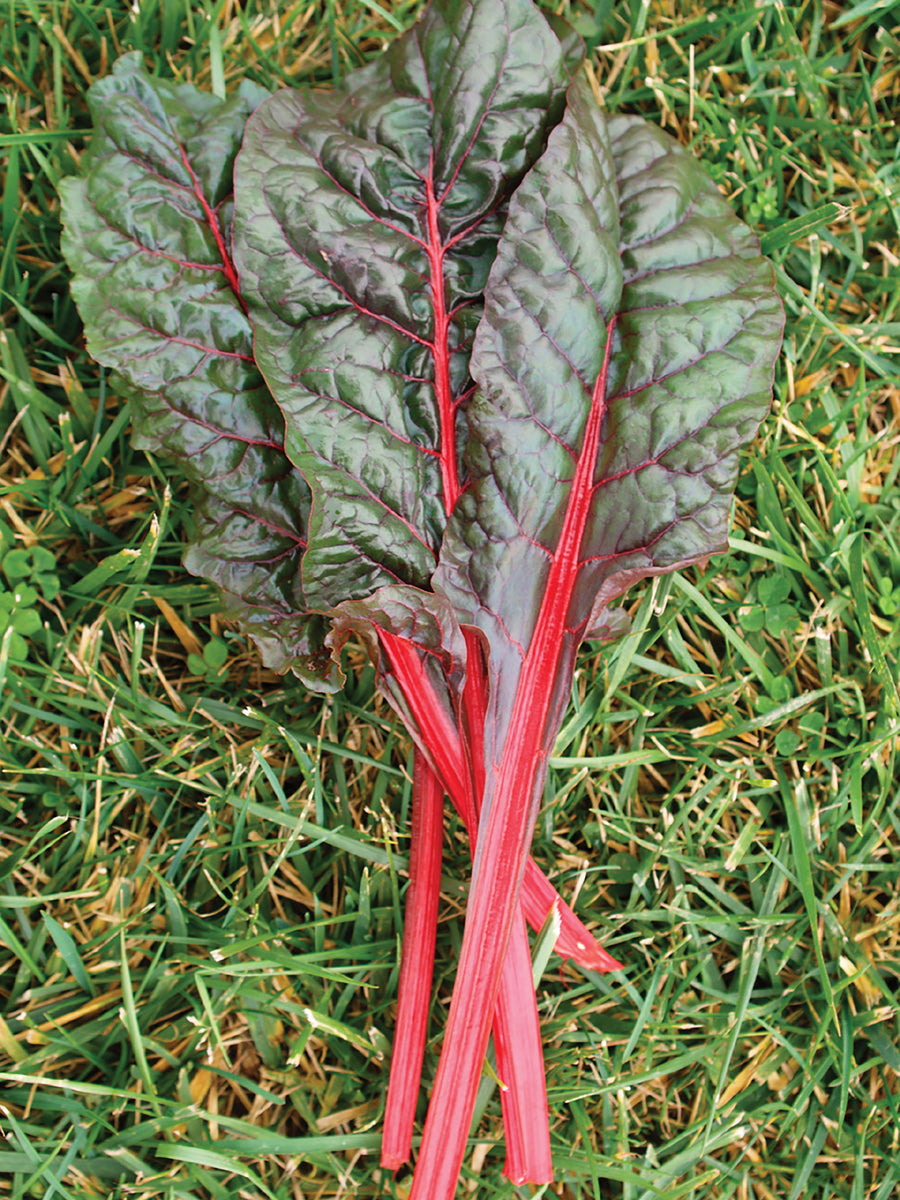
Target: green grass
202,866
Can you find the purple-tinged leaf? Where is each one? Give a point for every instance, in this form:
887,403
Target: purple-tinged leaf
367,221
147,231
625,355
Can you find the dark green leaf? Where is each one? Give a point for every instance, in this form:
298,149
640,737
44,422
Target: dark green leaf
618,236
367,221
147,231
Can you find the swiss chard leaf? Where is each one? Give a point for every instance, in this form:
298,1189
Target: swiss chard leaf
625,355
367,222
147,231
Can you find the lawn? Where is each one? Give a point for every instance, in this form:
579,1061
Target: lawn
203,865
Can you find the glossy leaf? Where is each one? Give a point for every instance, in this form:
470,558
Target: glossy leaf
625,355
147,232
367,222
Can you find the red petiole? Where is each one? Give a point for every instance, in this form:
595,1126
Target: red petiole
417,963
512,792
456,754
436,735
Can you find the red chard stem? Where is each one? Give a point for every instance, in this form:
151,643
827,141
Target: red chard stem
417,963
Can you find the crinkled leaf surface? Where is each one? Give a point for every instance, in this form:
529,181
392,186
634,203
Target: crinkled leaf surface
147,230
626,354
147,234
367,221
625,357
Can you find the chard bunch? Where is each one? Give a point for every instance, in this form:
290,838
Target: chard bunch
452,360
